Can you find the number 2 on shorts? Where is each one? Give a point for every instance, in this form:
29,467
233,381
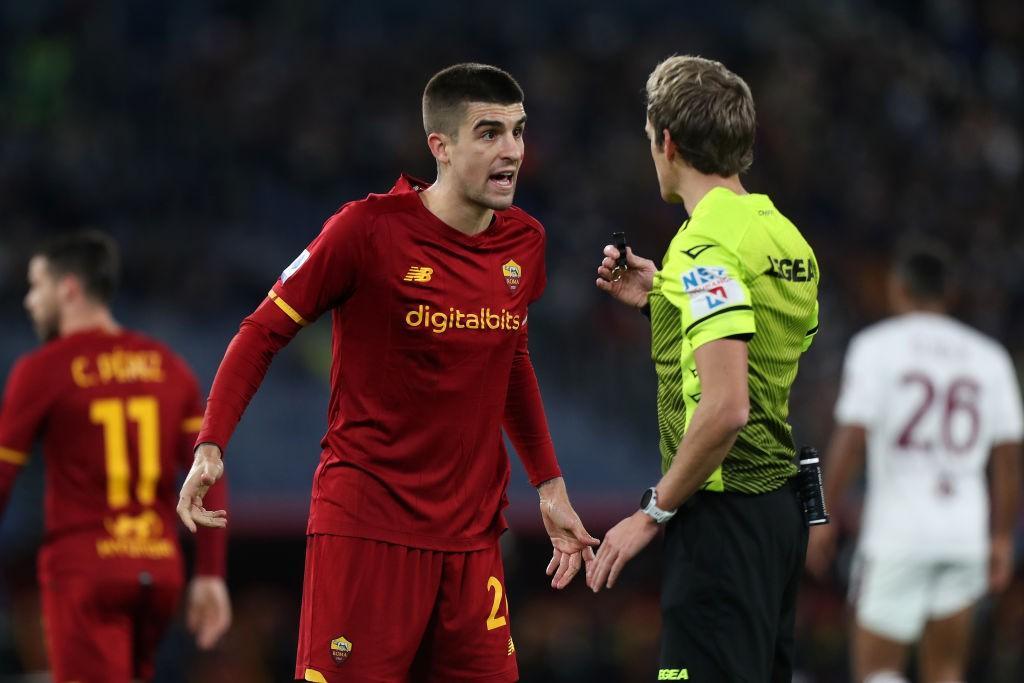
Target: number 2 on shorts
494,621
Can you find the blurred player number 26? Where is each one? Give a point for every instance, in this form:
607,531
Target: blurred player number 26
943,418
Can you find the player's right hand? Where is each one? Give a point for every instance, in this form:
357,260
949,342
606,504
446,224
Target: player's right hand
571,544
207,468
635,282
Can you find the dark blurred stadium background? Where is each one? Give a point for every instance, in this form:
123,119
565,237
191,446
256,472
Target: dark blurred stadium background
213,138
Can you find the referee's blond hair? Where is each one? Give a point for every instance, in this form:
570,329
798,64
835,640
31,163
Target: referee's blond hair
707,109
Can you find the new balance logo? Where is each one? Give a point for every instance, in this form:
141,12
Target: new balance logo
419,274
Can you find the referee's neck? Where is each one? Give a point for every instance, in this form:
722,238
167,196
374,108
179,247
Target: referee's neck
693,186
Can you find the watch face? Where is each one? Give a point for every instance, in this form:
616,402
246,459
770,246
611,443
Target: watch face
645,500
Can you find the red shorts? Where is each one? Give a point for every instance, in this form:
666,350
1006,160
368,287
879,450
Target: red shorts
106,630
375,612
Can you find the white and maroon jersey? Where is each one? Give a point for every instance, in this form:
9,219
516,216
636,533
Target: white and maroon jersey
934,396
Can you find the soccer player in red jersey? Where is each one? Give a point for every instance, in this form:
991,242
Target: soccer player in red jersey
428,286
118,413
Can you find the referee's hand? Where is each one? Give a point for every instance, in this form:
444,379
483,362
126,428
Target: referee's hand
207,468
630,286
621,544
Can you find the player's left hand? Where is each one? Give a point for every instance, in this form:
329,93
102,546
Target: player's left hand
571,545
207,468
208,612
621,544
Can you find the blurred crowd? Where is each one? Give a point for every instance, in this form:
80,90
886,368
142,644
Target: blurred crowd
213,138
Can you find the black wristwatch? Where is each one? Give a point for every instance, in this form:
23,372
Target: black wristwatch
649,506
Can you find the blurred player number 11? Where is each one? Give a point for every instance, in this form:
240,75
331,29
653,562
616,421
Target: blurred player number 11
112,414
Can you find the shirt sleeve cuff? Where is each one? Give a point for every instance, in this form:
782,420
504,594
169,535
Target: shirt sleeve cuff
732,322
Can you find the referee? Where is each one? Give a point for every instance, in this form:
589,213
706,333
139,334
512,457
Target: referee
732,309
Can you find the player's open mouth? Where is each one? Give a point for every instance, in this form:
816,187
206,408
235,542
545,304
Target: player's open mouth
503,179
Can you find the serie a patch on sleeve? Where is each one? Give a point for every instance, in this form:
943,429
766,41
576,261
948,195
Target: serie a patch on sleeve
711,288
295,265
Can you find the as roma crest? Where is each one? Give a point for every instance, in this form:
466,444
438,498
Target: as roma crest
513,273
341,648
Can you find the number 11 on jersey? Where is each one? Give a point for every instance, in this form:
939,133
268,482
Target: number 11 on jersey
112,414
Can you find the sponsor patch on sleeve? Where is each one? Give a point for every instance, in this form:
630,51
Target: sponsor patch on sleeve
296,264
711,288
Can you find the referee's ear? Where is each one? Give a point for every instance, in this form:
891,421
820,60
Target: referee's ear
669,147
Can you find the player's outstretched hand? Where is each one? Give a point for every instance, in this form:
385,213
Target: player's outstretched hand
621,544
208,613
634,283
207,468
571,545
564,567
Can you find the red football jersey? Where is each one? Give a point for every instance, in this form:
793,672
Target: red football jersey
118,415
428,325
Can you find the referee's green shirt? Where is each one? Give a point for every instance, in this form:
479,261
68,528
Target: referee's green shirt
736,267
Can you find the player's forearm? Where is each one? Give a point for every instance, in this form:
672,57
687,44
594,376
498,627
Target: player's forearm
552,488
1006,476
526,424
241,372
707,441
844,459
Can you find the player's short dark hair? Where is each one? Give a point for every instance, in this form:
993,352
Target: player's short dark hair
707,109
926,270
449,90
90,255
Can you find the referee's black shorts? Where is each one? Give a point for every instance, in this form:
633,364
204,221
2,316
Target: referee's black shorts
732,567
